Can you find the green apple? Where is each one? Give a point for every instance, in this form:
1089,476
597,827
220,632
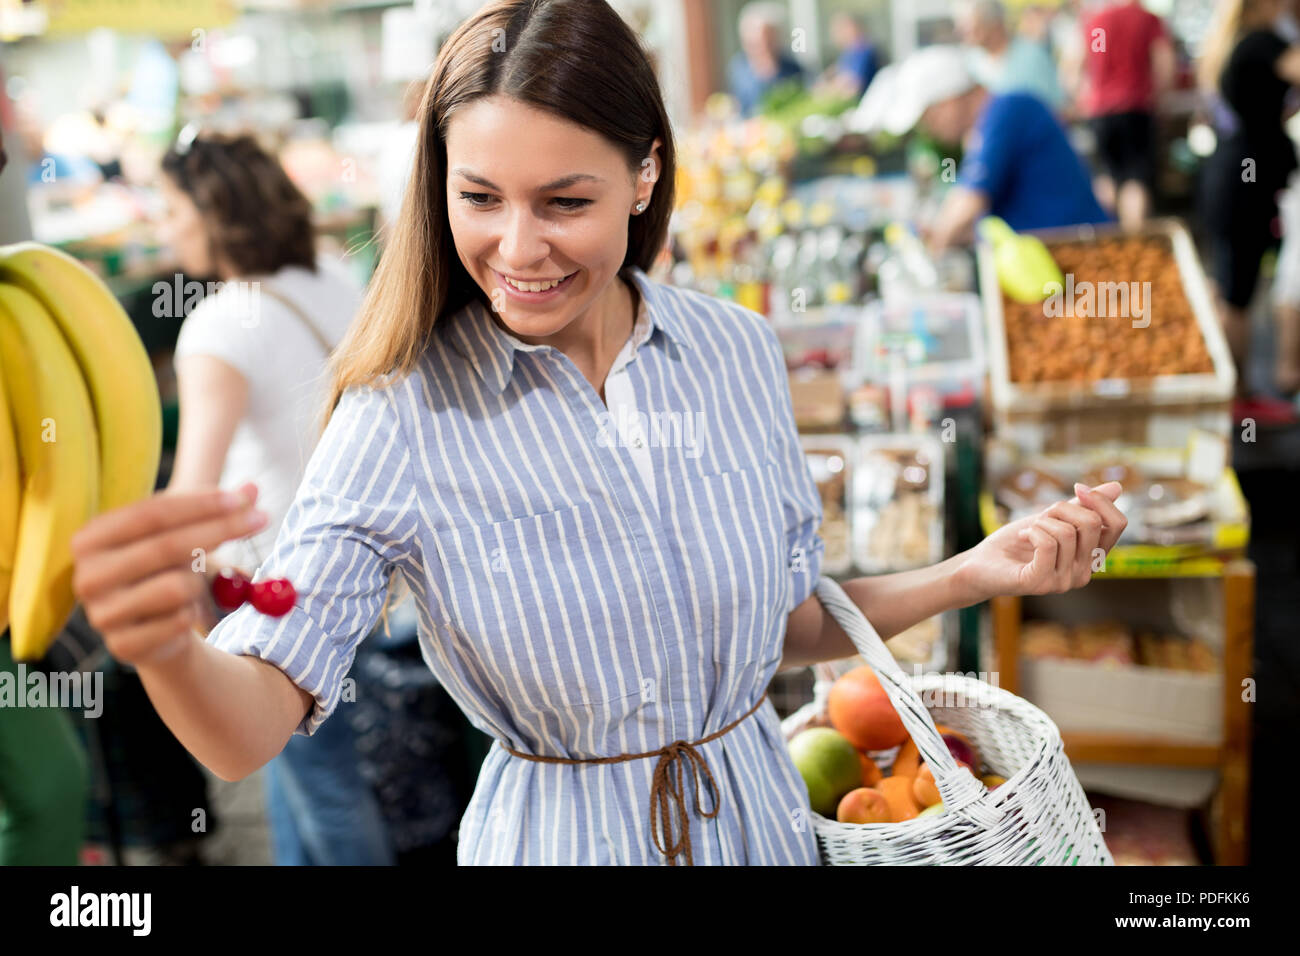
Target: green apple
829,766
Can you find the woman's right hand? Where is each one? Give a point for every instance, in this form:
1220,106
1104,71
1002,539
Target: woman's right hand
134,567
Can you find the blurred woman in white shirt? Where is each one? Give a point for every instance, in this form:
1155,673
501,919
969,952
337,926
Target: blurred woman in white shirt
251,365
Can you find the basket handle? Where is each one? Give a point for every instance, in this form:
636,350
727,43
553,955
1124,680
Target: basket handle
961,792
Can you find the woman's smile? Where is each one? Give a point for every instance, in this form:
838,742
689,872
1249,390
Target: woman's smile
531,291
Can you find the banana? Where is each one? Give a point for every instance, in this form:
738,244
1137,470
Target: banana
9,487
58,452
113,361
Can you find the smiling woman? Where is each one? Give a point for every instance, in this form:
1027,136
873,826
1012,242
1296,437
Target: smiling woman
609,608
545,242
545,153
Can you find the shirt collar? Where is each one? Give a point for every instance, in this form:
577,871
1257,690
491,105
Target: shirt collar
491,351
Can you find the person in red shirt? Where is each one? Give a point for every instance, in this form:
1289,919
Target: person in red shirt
1128,62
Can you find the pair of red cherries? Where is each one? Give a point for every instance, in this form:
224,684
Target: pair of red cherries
273,597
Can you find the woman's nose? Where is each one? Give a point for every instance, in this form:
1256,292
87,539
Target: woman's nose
522,242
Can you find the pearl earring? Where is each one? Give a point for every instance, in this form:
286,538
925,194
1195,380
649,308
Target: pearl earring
640,207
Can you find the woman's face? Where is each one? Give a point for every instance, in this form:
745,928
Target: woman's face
534,200
182,230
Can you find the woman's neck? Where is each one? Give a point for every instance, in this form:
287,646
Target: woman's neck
593,340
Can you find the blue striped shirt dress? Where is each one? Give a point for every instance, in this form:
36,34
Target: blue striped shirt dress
591,581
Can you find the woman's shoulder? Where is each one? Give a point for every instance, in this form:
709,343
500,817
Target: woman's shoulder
224,309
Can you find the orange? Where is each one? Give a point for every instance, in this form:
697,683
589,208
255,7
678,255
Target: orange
870,772
898,794
863,805
908,760
860,709
923,788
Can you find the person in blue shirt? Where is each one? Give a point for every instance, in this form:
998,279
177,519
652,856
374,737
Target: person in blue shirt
1018,164
858,61
761,64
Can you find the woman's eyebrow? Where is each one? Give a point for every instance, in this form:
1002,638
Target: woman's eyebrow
562,183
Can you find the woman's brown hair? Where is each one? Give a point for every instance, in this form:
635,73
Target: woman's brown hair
257,220
574,58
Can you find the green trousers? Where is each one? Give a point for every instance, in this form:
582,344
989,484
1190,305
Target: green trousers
44,782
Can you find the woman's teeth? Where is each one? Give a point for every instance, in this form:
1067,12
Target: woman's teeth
534,286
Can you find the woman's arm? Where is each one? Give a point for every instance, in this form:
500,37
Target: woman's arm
891,602
1287,65
1051,552
213,399
193,690
955,221
133,578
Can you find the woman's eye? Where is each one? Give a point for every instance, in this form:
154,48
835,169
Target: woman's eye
565,203
476,199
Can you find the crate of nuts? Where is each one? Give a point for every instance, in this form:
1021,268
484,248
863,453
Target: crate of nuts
1128,349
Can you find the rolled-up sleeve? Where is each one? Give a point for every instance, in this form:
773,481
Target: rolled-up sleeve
800,499
351,527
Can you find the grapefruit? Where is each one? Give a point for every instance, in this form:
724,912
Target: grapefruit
829,767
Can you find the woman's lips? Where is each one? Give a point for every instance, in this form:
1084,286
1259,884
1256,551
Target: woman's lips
521,295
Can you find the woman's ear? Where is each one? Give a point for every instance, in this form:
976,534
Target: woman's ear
648,175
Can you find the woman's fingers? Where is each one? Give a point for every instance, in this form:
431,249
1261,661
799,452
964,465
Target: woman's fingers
162,594
1071,534
1042,569
169,547
1066,543
135,567
159,512
1112,518
1109,490
1088,527
152,639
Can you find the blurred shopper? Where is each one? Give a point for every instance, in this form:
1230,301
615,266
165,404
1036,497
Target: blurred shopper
1004,62
762,63
52,167
1128,64
44,780
250,370
855,68
1286,286
1252,68
1018,164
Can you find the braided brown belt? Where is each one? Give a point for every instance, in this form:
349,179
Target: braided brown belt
666,793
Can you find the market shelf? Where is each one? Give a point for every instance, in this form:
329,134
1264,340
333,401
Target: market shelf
1230,755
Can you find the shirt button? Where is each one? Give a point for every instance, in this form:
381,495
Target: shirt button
636,441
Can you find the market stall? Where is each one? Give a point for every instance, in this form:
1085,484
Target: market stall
935,408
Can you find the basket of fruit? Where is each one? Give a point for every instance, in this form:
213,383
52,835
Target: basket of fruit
933,769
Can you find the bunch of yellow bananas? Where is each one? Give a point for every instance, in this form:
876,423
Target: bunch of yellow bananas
80,430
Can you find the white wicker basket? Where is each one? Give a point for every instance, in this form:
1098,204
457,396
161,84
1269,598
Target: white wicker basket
1040,816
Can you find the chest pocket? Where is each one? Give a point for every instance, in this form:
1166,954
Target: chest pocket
515,592
740,564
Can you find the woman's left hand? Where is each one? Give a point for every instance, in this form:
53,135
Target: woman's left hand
1051,552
